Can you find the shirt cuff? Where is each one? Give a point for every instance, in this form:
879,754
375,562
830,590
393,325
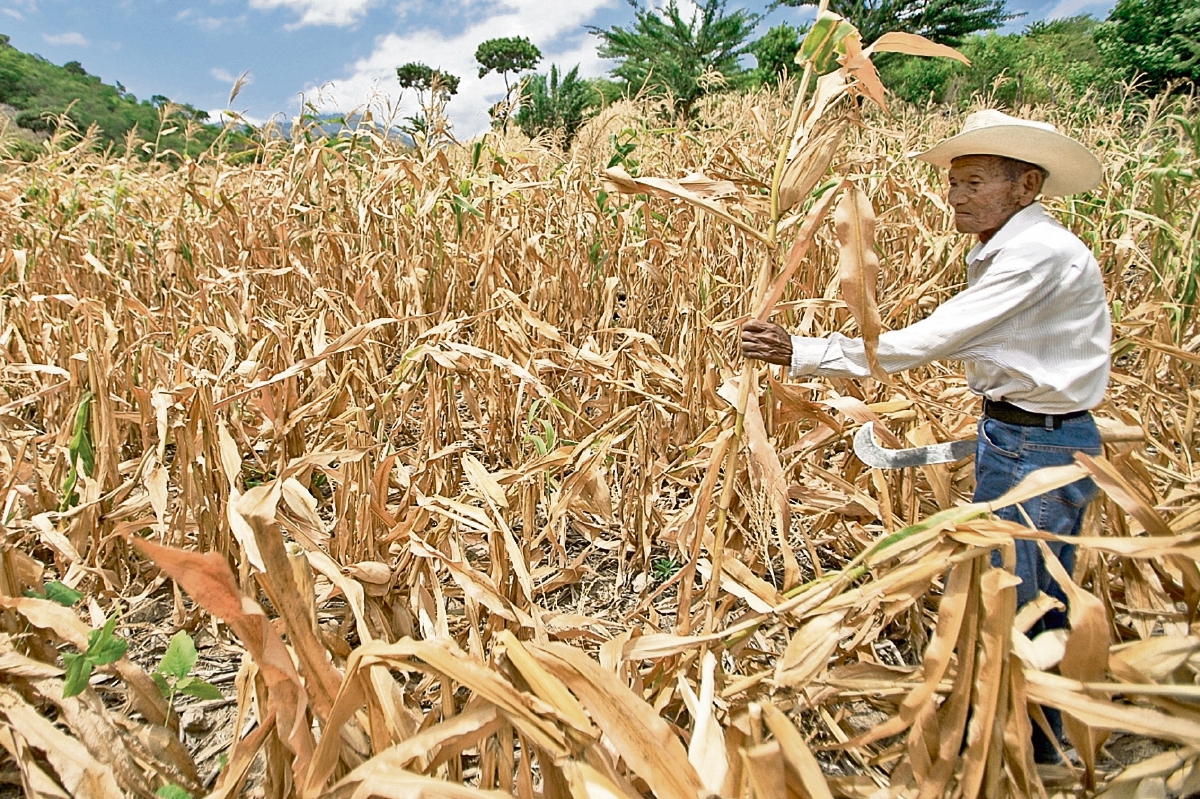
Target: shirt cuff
807,354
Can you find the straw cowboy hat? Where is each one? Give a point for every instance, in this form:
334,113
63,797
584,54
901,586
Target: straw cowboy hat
1071,167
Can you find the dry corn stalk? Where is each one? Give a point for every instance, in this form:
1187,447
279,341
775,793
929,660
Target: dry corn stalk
450,435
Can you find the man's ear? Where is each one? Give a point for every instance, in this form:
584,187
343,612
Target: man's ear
1031,186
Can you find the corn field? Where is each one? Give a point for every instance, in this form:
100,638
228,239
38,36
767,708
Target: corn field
445,459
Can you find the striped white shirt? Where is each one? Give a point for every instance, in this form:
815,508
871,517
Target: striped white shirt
1032,325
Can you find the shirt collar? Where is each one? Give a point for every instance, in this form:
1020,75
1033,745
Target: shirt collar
1018,223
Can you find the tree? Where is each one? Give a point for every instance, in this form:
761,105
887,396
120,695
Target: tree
665,55
431,122
423,78
776,52
505,55
1157,39
553,102
943,21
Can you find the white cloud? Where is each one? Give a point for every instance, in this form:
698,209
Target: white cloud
61,39
30,6
320,12
191,16
223,75
555,27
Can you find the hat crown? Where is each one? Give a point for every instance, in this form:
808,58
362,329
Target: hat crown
991,118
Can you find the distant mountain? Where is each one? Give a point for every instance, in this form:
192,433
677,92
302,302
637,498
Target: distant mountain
333,125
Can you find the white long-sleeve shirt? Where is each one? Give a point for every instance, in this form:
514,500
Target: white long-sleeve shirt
1032,325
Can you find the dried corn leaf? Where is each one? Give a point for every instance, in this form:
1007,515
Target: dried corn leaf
858,269
796,754
617,180
642,738
913,44
706,751
81,774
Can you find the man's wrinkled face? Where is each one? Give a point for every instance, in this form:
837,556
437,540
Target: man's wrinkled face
983,195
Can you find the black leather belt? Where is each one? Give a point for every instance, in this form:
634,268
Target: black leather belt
1010,414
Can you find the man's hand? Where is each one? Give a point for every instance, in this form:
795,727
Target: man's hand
766,341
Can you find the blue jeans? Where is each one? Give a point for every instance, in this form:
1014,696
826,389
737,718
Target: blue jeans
1004,454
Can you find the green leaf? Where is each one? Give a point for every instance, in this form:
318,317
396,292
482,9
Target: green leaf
163,686
79,450
78,670
198,688
537,442
69,497
80,446
179,657
172,791
112,651
465,205
820,45
103,646
57,592
817,35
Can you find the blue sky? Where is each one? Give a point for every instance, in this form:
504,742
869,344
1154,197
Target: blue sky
339,53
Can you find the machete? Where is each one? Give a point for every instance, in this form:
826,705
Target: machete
875,456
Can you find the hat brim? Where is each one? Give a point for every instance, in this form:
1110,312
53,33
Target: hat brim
1071,167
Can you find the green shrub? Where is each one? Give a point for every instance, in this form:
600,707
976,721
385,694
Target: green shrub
557,103
1051,61
1158,40
775,53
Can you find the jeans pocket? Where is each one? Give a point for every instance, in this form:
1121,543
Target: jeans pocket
1077,494
1060,511
1001,438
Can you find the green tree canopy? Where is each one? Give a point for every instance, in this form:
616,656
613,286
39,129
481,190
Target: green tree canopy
505,55
666,55
415,75
943,21
776,51
1158,39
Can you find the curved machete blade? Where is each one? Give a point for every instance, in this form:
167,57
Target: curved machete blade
870,453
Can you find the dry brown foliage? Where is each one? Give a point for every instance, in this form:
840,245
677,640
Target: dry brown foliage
445,443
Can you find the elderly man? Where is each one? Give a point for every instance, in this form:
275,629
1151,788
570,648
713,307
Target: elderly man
1032,328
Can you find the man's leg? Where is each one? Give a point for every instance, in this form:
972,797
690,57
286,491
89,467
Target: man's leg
1004,455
